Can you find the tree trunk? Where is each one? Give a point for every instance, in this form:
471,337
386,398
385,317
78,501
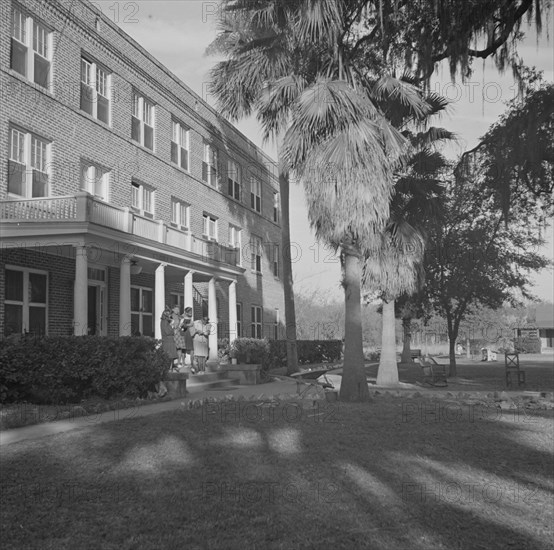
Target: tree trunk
452,352
290,314
354,382
406,347
387,374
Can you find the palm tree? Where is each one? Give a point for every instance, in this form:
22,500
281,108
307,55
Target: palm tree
397,268
298,65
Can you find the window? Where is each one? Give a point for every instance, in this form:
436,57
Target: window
180,213
180,145
95,180
28,164
142,121
142,198
239,319
25,301
31,49
209,165
141,311
256,253
233,180
210,227
276,207
276,260
95,90
256,322
255,194
235,241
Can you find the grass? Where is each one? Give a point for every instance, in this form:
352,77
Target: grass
391,474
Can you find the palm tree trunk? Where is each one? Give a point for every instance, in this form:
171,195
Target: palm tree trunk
290,313
388,369
406,351
354,382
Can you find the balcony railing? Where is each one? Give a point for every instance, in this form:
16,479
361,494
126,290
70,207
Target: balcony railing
85,208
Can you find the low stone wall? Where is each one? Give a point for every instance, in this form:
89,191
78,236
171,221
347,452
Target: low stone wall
176,384
245,373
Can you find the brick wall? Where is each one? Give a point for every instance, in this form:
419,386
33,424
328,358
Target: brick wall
76,137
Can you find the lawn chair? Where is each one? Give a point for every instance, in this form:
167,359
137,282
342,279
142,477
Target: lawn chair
434,373
308,380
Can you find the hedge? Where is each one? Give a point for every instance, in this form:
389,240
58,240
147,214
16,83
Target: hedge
68,369
273,353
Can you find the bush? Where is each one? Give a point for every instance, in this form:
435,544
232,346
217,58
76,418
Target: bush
309,352
68,369
250,350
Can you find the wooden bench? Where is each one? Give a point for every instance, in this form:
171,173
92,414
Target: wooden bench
415,354
434,373
511,364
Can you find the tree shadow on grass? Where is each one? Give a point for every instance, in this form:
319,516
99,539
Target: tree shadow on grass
229,476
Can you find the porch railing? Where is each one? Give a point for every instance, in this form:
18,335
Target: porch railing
86,208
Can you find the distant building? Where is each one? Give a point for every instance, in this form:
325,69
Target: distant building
121,190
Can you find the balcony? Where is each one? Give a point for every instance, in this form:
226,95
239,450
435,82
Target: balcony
85,208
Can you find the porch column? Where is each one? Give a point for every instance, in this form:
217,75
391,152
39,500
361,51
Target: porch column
159,303
125,297
80,292
189,299
232,311
212,314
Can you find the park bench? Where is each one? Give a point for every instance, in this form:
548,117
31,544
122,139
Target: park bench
434,373
511,364
415,354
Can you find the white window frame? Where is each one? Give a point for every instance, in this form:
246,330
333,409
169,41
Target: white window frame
276,207
180,214
234,187
95,87
28,38
26,304
209,165
235,241
143,192
141,313
25,156
256,325
255,194
209,230
180,138
89,180
256,253
275,260
144,111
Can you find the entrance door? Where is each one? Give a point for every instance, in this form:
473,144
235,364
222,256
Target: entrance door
96,310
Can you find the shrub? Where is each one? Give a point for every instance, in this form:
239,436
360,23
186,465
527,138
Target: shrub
67,369
250,350
309,352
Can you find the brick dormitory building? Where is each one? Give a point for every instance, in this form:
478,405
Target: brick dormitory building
122,191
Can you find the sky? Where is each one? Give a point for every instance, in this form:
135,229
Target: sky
177,33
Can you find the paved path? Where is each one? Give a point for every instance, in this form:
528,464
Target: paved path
45,429
278,387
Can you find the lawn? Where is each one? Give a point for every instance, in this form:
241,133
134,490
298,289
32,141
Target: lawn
391,474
